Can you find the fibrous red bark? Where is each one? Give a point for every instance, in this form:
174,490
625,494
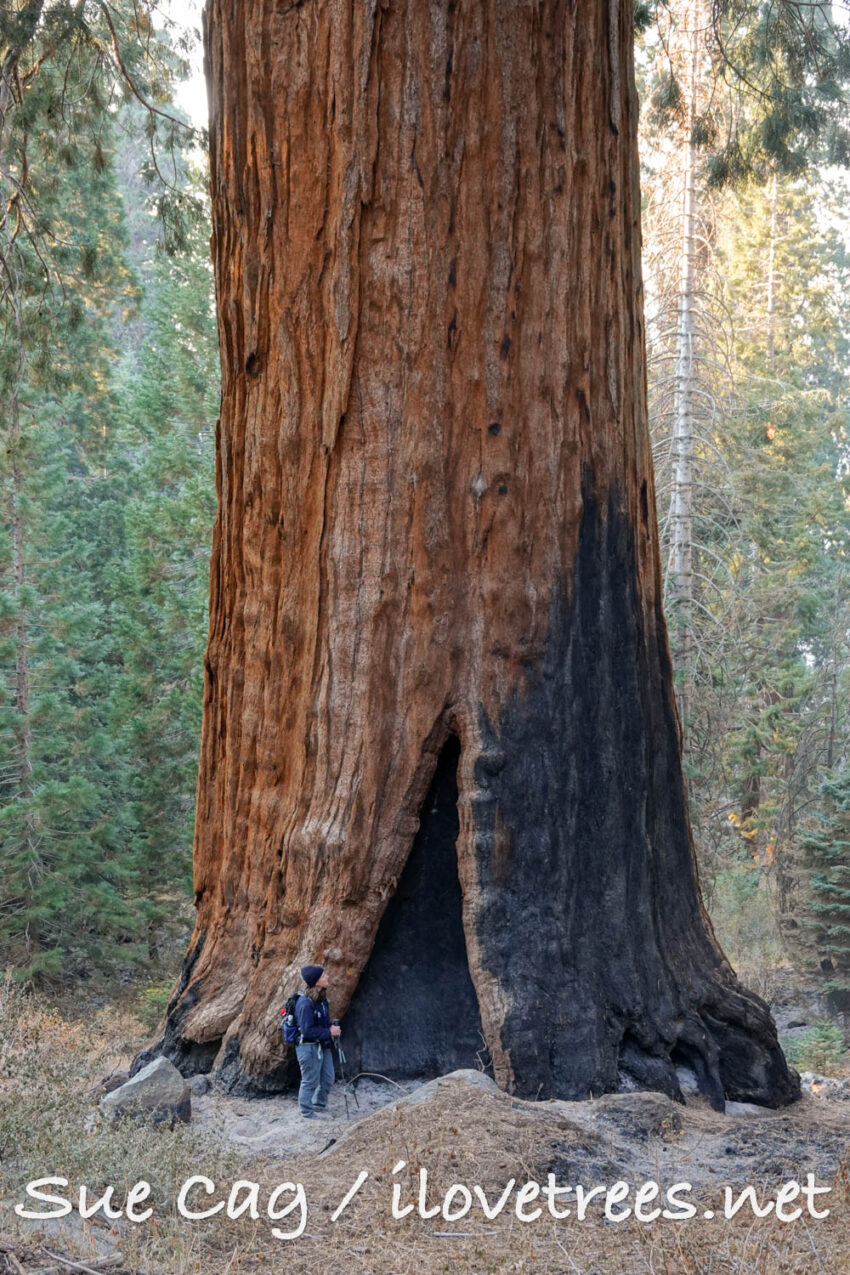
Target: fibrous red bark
437,540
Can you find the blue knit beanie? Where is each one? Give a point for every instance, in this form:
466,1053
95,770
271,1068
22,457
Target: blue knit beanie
311,974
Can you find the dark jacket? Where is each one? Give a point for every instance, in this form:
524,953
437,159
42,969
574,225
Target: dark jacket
313,1018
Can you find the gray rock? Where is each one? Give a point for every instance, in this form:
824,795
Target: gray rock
798,1011
200,1085
114,1080
814,1080
158,1092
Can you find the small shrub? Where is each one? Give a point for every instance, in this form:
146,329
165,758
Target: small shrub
153,1001
819,1049
744,919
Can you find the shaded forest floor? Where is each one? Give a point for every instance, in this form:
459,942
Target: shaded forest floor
461,1131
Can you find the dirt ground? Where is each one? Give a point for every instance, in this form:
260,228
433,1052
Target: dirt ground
638,1135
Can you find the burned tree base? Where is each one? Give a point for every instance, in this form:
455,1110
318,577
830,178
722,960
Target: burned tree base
732,1059
587,905
738,1061
573,892
415,1012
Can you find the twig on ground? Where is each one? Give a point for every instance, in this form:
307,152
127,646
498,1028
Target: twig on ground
814,1247
567,1256
377,1075
102,1264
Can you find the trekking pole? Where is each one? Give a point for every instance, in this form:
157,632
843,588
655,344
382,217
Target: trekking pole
341,1056
348,1085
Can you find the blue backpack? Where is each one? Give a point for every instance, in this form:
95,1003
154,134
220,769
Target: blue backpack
291,1030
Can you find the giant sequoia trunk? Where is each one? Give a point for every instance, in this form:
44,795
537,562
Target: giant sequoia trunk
440,747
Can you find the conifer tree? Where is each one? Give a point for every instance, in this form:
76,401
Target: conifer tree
789,273
62,841
435,563
165,450
68,876
754,512
826,847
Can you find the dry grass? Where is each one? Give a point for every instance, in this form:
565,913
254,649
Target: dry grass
50,1067
478,1138
48,1072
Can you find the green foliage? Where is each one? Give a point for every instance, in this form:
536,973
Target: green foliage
153,1001
743,915
766,663
117,510
788,275
66,878
819,1049
786,69
776,77
643,15
825,851
667,98
107,495
65,69
165,447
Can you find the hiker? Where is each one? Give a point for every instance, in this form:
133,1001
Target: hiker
315,1043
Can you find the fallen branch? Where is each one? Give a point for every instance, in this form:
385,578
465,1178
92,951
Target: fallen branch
461,1235
102,1264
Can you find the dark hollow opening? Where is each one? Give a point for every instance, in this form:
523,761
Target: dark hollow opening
415,1012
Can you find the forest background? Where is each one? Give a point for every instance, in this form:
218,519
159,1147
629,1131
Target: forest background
109,390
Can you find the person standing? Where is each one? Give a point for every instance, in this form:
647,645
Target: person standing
314,1049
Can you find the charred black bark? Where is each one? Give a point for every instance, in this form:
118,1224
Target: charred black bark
592,917
190,1057
234,1079
415,1012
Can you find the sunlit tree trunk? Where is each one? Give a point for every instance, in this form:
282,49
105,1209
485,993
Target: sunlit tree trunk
681,522
771,276
436,631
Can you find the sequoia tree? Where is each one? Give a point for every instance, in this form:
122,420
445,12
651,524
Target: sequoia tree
440,751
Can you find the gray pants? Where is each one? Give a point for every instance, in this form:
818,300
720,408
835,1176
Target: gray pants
317,1075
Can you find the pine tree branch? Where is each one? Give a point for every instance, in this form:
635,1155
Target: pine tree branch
130,82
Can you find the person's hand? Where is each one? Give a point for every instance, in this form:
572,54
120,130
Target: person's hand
336,1031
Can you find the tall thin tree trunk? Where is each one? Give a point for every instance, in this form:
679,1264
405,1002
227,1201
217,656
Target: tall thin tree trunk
681,562
751,801
771,276
833,704
436,627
